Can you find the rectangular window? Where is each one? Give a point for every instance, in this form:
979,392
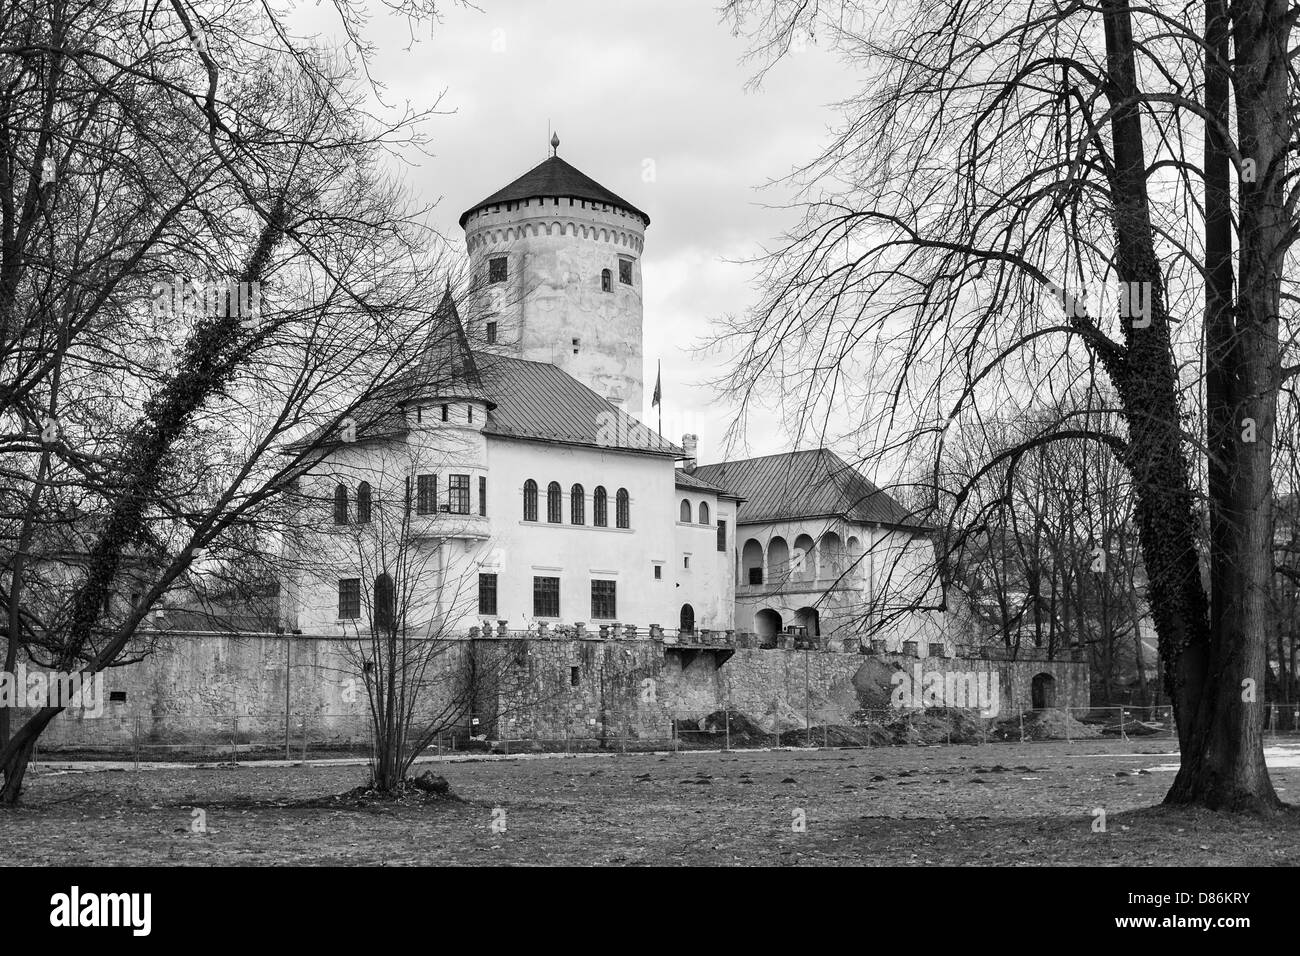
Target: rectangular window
458,494
755,575
659,572
487,594
546,597
426,494
625,271
491,333
444,413
470,409
482,495
603,604
497,269
349,599
722,536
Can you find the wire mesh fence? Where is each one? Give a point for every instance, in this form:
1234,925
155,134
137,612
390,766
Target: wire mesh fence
315,737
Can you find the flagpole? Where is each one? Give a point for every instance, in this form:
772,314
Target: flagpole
659,395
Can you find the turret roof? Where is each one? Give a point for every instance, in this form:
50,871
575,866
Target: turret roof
553,177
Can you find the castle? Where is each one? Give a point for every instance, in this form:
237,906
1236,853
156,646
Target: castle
502,489
547,503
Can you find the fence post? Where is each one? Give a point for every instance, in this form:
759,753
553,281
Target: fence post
1067,723
234,740
1022,726
136,741
726,716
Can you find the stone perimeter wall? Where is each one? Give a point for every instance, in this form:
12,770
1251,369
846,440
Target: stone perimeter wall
593,690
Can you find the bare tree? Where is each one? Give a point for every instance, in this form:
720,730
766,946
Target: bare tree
149,150
1001,165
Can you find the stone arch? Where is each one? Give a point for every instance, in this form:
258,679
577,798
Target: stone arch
570,228
831,547
778,560
751,556
810,619
1042,691
767,625
803,561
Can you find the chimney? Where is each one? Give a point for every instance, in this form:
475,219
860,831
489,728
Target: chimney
689,443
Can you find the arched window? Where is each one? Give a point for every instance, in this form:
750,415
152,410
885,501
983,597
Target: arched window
577,505
684,513
530,500
363,503
606,281
704,512
384,610
341,503
554,506
600,507
622,515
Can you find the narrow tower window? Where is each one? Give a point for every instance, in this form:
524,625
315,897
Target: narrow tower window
497,269
606,284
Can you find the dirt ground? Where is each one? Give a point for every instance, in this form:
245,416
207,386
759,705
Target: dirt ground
1002,804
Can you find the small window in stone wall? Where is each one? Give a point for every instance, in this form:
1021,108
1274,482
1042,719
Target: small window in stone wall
575,676
497,269
625,271
117,697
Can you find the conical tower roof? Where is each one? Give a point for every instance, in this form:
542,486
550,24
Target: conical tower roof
446,369
554,178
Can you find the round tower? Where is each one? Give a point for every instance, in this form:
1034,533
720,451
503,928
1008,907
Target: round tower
556,259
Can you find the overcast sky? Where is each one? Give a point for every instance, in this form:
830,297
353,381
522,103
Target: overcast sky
626,84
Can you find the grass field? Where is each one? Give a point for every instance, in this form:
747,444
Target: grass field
1004,804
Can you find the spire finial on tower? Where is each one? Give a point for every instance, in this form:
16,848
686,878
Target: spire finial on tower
555,143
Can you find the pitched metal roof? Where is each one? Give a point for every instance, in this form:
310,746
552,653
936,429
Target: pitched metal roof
525,400
444,371
542,402
686,479
804,484
553,177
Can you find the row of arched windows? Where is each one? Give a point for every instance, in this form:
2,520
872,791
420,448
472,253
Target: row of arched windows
578,505
341,509
684,515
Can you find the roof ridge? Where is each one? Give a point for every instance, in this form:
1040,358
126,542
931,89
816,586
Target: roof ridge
775,454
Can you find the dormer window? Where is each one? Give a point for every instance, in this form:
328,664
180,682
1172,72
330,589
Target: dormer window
497,269
606,284
444,413
491,333
625,271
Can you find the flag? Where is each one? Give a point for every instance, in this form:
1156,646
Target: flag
658,388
